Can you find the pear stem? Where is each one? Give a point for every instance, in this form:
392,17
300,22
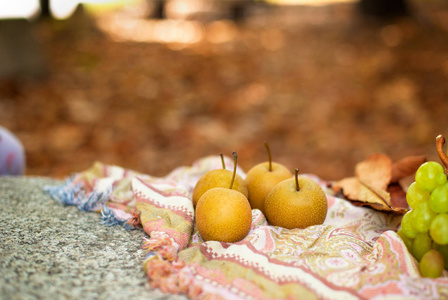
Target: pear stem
440,142
297,179
235,160
222,161
269,155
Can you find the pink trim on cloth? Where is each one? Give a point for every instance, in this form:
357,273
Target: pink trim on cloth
355,254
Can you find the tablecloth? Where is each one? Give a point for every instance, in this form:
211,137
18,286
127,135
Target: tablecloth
355,254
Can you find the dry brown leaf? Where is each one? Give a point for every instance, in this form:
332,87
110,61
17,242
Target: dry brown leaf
383,195
406,182
349,187
406,167
372,185
398,198
379,207
375,171
353,189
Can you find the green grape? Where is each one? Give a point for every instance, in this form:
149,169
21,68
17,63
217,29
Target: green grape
406,225
439,199
430,175
415,195
443,249
439,229
422,217
422,244
431,264
407,241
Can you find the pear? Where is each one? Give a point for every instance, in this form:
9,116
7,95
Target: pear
298,202
223,214
262,178
218,178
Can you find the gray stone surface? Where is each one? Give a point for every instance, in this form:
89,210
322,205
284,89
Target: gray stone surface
50,251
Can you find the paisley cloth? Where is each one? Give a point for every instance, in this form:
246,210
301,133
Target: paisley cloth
355,254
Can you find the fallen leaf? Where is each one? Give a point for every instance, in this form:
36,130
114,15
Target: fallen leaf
398,198
349,187
375,171
379,207
406,182
406,167
353,189
398,201
373,185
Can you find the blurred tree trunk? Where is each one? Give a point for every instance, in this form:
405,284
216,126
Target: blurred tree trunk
384,9
45,11
157,9
238,10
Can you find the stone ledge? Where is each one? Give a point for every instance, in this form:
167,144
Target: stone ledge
52,251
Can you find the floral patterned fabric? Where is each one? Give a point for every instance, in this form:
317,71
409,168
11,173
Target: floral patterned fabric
355,254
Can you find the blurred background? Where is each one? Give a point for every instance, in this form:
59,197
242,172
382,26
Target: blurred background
153,85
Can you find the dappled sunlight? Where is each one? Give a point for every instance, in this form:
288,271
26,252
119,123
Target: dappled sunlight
19,9
221,31
179,34
309,2
181,9
189,23
177,30
160,31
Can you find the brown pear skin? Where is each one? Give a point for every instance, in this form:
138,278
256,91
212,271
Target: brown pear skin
296,203
224,215
218,178
260,181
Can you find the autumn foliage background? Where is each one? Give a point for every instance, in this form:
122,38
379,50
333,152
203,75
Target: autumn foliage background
325,87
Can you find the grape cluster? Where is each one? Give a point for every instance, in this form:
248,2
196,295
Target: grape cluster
424,229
